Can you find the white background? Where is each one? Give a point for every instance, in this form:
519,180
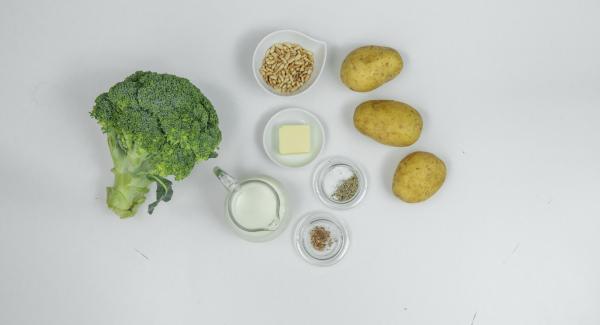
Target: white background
510,96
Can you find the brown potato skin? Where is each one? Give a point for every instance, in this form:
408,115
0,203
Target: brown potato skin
369,67
389,122
418,177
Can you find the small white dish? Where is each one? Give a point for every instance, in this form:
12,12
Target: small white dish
317,47
293,115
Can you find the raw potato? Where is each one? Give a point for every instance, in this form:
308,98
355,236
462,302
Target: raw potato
418,176
369,67
388,122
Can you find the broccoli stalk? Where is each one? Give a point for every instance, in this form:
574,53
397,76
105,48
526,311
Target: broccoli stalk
157,125
131,179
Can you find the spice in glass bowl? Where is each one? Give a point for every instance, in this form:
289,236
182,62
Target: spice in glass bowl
346,190
339,183
320,238
286,67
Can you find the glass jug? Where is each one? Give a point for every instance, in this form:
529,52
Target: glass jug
255,207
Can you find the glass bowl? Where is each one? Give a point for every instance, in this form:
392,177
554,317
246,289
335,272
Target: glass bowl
331,252
328,177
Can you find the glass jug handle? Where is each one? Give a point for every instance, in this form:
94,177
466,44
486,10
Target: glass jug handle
230,182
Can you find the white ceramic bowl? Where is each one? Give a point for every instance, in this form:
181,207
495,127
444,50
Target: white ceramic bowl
318,49
293,116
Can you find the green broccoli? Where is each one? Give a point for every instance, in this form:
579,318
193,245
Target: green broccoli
157,125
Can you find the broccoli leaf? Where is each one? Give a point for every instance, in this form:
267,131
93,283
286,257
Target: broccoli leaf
164,191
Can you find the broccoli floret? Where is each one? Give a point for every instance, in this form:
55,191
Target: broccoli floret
157,125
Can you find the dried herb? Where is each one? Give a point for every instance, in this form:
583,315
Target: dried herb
346,190
320,238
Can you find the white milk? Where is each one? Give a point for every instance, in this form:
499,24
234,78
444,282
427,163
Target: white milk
254,205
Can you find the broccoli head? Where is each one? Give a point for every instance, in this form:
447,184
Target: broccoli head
157,125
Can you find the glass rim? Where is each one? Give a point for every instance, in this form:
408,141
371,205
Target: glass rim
305,222
318,178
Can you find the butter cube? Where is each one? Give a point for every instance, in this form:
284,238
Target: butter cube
294,139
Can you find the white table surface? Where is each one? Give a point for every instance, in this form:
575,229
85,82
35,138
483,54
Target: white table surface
510,95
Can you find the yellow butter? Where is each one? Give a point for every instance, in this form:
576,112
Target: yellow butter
294,139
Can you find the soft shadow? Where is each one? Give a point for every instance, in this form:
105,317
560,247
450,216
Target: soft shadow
227,110
346,111
335,57
76,94
260,126
245,47
389,164
209,191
